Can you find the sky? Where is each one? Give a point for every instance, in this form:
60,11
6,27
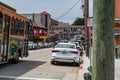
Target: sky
56,8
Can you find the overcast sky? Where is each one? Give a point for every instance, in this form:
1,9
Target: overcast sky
55,7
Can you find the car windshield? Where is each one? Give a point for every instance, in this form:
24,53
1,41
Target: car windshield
39,42
30,42
77,43
65,46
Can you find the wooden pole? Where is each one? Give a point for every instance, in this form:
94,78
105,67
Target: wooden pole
103,40
86,15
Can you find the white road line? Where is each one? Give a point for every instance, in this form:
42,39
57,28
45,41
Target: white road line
26,78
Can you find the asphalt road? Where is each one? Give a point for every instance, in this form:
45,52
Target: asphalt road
37,67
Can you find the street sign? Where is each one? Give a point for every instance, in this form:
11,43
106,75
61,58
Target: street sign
89,22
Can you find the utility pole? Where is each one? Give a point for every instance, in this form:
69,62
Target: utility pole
86,15
103,40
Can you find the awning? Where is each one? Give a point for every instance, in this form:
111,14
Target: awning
43,37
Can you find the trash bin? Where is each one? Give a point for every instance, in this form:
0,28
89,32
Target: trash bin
90,69
87,76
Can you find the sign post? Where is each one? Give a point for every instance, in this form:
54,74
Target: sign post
90,24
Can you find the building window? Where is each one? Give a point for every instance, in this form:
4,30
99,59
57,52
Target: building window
46,21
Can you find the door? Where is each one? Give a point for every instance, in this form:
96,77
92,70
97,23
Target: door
5,39
26,39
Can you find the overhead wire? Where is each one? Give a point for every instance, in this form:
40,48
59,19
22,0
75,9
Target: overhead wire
68,10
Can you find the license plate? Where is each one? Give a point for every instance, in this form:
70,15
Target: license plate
64,52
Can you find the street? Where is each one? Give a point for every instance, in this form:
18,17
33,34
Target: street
37,67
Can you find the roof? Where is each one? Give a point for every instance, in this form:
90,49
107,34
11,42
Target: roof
9,7
44,13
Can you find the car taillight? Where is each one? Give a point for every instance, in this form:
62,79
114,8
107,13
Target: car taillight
55,51
74,52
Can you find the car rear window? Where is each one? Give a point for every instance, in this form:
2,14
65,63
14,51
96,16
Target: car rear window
65,46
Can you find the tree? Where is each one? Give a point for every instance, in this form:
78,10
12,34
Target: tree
103,40
78,21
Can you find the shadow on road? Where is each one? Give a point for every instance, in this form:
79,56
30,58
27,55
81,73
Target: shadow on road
19,69
66,64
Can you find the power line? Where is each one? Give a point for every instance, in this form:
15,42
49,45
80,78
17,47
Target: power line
68,10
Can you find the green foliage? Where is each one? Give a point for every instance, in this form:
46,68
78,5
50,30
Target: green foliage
78,21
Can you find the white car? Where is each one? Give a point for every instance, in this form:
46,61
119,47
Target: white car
31,45
65,52
40,45
79,47
46,44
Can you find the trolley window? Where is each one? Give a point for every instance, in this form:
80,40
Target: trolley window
17,27
1,22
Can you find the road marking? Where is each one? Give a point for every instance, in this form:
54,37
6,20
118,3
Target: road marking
26,78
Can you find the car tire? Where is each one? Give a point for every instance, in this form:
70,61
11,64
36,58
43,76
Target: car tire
52,62
76,64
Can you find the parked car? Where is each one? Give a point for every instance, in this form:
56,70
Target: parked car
40,45
79,47
65,52
32,45
64,40
46,45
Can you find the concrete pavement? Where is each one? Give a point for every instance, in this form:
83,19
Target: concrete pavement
83,68
86,63
117,69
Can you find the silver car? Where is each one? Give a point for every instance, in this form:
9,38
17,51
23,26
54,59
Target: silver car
65,52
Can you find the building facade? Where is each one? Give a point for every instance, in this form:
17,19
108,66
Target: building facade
67,32
117,22
45,19
41,23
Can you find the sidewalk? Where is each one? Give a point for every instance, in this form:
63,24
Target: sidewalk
83,68
86,63
117,69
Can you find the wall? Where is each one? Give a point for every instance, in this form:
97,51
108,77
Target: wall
117,8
